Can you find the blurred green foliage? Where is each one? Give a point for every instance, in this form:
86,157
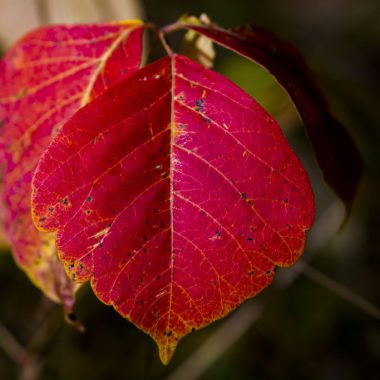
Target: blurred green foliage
306,332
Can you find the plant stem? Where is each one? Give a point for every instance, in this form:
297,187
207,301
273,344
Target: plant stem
170,28
161,36
340,290
10,345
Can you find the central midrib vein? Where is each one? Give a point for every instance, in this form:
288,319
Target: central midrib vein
171,194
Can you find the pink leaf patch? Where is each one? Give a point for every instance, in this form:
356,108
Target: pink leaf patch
44,79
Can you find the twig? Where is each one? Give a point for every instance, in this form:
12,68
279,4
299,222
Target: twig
214,347
340,290
10,345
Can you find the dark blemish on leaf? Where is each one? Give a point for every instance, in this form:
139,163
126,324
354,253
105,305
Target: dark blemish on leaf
251,273
268,272
158,277
144,238
88,212
199,105
203,213
182,126
213,282
89,199
193,329
65,201
244,195
98,139
218,233
286,200
162,225
109,225
250,238
41,220
51,209
169,333
71,265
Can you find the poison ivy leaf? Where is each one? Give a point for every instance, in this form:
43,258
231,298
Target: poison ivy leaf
176,194
335,151
44,79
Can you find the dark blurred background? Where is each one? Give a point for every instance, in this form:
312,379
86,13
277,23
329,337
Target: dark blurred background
298,328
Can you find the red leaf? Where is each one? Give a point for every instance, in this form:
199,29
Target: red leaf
44,79
335,151
176,194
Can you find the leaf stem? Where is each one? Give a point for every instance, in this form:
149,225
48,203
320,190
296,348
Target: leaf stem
171,28
161,36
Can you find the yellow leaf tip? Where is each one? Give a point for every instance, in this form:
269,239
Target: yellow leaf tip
166,352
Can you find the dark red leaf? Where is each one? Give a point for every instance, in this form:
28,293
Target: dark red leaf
176,194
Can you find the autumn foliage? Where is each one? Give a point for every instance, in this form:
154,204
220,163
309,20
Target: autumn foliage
166,186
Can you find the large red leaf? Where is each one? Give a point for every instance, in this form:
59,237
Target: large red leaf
44,79
176,194
335,151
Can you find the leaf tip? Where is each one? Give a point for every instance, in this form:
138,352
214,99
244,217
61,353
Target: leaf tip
166,350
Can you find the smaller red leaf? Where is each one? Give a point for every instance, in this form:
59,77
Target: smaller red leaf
336,153
44,79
